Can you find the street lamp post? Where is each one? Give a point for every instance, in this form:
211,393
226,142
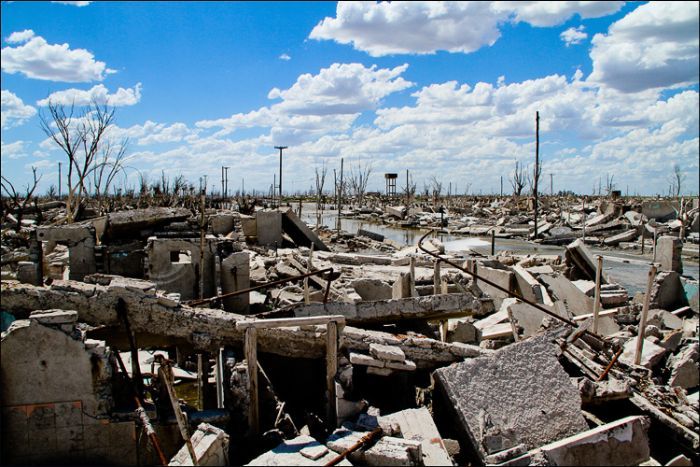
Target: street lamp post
281,148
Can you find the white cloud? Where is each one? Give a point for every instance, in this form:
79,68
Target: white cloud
13,150
285,57
545,13
573,36
411,27
98,93
654,46
35,58
14,112
328,102
386,28
341,89
19,37
78,3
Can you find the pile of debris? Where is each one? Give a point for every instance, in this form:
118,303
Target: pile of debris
252,339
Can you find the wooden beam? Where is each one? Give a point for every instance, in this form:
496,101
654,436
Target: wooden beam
251,356
331,369
286,322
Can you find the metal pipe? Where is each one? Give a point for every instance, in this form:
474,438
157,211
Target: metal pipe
510,293
361,442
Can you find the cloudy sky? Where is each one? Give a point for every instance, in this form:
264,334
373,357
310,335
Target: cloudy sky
443,89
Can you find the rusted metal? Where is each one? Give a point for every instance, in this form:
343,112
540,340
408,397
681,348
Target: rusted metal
135,366
141,412
361,442
266,285
610,365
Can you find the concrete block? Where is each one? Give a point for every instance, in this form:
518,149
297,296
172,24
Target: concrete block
667,292
54,317
389,451
418,425
235,275
544,409
622,442
668,253
463,331
290,453
365,360
210,446
373,370
221,224
300,233
387,352
405,365
372,289
268,225
651,353
684,368
402,286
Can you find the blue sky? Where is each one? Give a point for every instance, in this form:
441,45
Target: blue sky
446,90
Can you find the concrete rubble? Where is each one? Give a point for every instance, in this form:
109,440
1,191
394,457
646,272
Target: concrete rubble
248,336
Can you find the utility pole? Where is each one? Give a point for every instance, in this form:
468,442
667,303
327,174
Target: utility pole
226,182
281,148
408,192
551,184
501,186
59,179
537,162
222,182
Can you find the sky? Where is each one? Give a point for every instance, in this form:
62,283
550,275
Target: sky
446,90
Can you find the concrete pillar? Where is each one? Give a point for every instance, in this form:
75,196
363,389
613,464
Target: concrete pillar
235,275
402,286
668,253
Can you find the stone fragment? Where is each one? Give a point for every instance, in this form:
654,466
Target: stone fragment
684,368
290,453
210,446
651,353
387,352
545,409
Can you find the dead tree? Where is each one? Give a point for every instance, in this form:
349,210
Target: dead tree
18,204
109,165
518,180
320,182
677,179
358,181
609,185
533,177
435,189
80,136
409,190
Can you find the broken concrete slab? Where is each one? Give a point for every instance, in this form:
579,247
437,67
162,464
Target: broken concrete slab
544,409
418,425
268,228
667,292
388,451
622,442
579,255
651,353
660,211
235,276
575,301
387,353
668,253
290,453
684,368
300,233
210,447
372,289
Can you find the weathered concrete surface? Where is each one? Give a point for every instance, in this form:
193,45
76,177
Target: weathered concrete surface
501,277
268,225
300,232
291,452
163,320
174,265
534,403
659,210
442,306
372,289
651,353
667,292
125,223
418,425
235,276
684,368
388,451
668,253
80,239
210,446
402,286
579,255
576,302
622,442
